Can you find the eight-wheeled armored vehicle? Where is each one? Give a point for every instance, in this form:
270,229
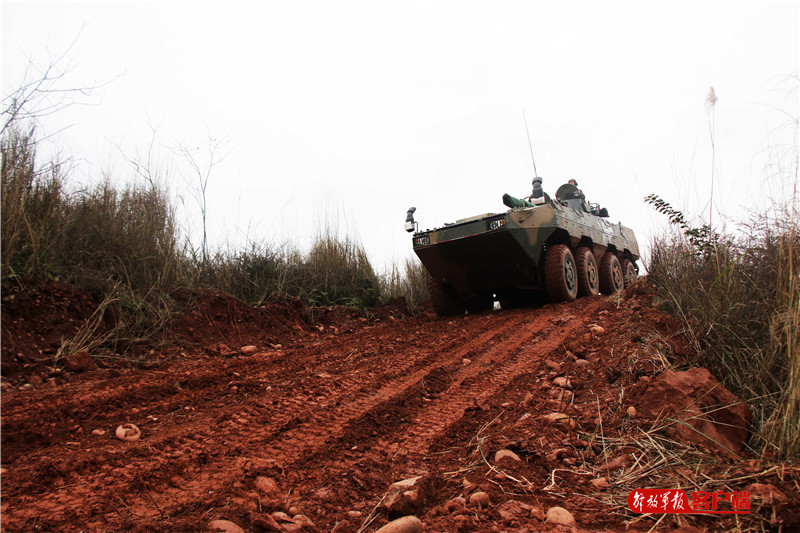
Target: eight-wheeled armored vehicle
562,248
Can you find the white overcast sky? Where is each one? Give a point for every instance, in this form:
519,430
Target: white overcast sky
347,113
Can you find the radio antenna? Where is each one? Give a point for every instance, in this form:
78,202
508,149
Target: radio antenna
535,173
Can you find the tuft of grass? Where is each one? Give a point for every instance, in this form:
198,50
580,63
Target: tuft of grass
410,283
124,246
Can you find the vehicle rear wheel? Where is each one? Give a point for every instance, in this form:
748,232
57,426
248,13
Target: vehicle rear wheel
560,274
588,277
443,300
628,272
611,279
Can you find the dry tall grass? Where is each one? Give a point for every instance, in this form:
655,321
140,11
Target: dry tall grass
739,299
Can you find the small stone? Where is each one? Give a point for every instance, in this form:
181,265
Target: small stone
79,362
294,510
631,411
99,432
267,487
528,400
559,515
280,516
506,454
224,526
405,497
581,362
128,433
466,361
480,498
303,521
248,350
561,419
562,382
552,365
598,330
406,524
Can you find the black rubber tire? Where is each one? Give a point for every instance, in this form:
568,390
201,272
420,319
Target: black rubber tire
611,280
442,299
480,304
560,274
629,274
588,275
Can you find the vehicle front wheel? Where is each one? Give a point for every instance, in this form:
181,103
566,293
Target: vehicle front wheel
443,300
560,274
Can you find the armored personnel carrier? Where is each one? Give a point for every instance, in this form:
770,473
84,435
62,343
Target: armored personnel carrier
561,248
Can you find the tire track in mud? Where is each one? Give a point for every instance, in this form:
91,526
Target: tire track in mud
488,373
302,425
288,440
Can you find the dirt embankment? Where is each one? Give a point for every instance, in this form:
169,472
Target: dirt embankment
308,429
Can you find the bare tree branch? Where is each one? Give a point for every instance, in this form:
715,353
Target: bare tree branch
40,93
201,167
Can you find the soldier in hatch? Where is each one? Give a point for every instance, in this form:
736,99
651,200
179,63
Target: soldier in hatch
580,195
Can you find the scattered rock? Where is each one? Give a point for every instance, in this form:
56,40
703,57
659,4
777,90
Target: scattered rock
267,487
99,432
562,382
267,523
528,400
128,433
557,454
406,497
406,524
561,419
581,363
303,521
559,515
225,350
79,362
598,330
248,350
506,454
552,365
466,361
480,498
631,411
280,516
514,510
224,526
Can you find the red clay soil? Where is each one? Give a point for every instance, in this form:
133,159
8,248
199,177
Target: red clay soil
334,408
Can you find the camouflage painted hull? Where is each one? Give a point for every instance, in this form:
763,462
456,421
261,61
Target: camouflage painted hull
502,254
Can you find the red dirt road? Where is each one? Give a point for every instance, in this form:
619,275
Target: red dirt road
334,410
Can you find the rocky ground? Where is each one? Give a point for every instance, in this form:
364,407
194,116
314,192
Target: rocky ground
292,419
